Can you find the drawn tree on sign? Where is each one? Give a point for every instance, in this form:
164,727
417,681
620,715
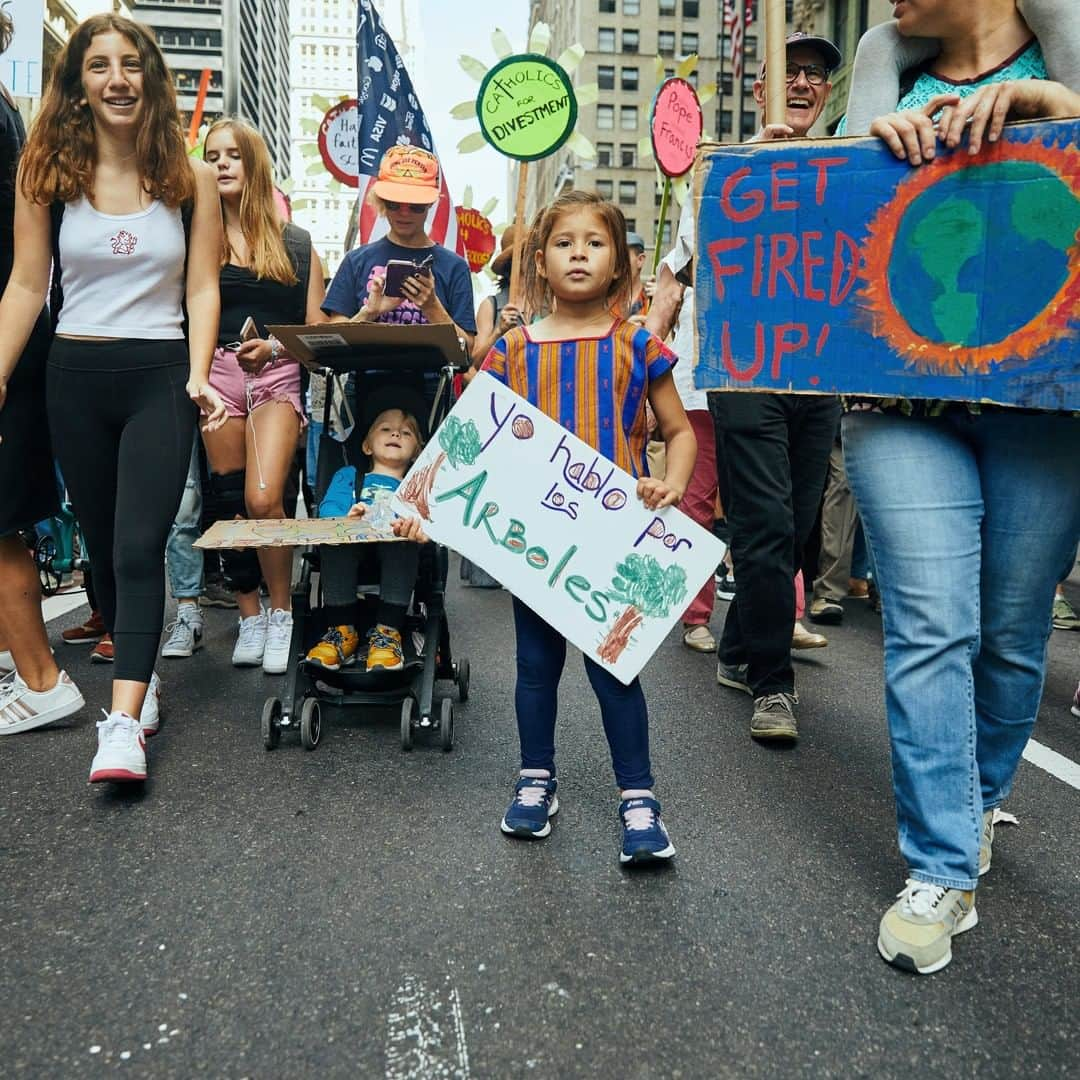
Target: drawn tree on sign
460,446
648,590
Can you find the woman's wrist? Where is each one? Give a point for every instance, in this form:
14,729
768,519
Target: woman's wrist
363,315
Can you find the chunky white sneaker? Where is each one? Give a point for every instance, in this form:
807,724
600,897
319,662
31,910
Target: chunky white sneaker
150,714
22,709
275,659
121,753
185,635
250,641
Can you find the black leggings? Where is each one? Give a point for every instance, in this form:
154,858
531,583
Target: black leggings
122,427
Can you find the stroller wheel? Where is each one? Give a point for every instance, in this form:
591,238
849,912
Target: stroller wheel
408,707
310,723
45,559
271,720
461,677
446,724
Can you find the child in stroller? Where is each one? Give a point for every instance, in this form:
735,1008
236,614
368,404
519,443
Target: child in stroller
392,443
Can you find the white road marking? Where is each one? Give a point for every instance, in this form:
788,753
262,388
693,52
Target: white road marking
425,1034
52,607
1051,761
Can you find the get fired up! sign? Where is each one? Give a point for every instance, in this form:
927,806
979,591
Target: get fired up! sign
560,526
831,267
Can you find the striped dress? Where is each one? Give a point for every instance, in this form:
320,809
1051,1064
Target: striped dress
596,388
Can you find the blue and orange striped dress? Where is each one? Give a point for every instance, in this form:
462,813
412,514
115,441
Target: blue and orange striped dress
596,388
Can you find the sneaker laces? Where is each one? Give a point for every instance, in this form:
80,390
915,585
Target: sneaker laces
379,638
115,728
10,688
533,795
639,818
251,629
278,628
920,897
779,702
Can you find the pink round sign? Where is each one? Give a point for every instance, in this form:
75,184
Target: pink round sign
677,124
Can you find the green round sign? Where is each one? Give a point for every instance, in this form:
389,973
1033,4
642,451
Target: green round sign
526,107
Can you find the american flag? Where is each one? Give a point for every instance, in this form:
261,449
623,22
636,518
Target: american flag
737,29
389,113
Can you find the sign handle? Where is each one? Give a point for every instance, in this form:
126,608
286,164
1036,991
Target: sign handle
519,240
664,198
197,112
775,61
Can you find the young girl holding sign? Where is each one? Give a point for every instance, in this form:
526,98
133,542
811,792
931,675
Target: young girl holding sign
593,375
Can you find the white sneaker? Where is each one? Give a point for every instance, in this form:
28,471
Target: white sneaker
278,638
121,753
22,709
185,635
150,714
251,641
7,664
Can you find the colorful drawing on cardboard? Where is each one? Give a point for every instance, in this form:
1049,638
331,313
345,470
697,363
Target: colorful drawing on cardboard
291,532
831,267
559,525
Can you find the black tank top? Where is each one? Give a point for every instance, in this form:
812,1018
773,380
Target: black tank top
266,301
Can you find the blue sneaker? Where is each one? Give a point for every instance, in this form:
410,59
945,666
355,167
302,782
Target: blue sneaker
533,806
644,837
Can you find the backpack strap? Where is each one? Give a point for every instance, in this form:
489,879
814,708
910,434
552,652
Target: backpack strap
298,245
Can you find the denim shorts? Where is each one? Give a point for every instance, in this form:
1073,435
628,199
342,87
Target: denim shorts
243,392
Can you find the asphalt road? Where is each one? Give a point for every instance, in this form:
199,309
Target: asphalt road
355,912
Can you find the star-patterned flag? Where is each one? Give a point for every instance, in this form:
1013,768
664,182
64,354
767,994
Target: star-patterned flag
390,113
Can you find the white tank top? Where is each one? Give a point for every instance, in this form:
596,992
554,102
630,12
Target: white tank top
122,274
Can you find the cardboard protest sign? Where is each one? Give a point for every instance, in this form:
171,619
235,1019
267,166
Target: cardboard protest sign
478,236
561,527
338,143
292,532
831,267
526,106
677,124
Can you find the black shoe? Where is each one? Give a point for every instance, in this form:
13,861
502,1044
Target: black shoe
826,612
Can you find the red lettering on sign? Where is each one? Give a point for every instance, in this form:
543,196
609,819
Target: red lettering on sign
754,200
779,183
823,165
722,270
845,268
747,374
759,265
810,263
783,251
782,346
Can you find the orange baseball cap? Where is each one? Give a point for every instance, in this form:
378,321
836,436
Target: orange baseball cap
408,174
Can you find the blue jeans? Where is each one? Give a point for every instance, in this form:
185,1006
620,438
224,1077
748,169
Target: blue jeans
971,521
541,654
185,562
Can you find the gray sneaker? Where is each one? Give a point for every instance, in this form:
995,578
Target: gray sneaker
916,933
774,717
185,635
215,594
733,676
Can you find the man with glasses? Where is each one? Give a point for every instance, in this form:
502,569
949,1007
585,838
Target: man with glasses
772,458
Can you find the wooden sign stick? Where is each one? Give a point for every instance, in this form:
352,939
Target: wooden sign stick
519,240
775,62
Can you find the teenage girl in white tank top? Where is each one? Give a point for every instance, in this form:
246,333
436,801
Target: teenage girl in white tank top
123,387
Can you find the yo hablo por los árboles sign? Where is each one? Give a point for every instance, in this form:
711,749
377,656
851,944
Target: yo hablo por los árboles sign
559,525
831,267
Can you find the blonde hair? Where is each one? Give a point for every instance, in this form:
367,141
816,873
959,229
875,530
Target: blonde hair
260,221
61,150
407,421
537,290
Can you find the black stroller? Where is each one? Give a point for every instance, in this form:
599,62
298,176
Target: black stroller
418,379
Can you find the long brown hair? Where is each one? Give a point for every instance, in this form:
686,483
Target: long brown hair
537,291
260,221
59,157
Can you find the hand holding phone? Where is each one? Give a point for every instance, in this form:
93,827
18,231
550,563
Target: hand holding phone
399,270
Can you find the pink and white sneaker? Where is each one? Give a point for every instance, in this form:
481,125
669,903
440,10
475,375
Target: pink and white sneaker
150,714
121,753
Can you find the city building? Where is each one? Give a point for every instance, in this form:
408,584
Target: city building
322,69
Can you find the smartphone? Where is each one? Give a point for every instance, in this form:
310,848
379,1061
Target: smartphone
249,330
397,270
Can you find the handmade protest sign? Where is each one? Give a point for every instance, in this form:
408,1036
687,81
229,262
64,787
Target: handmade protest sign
338,143
560,526
292,532
478,236
831,267
677,124
526,106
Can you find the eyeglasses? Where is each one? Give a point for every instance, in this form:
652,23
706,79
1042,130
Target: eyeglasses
415,208
815,74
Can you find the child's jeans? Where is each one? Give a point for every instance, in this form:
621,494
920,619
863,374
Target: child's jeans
541,654
340,567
